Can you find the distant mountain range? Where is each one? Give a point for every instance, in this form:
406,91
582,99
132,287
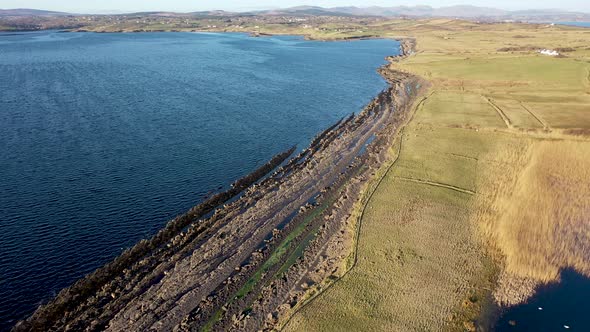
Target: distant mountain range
465,12
30,12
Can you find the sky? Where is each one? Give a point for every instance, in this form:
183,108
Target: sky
118,6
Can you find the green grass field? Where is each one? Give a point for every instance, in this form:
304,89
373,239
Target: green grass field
425,260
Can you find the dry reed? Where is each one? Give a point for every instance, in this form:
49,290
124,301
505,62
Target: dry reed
539,216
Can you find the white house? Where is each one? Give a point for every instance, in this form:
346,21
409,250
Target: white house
549,52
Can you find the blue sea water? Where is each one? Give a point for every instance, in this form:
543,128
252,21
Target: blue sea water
105,137
579,24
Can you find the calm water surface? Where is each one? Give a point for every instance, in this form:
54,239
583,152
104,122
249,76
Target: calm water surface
579,24
104,137
563,306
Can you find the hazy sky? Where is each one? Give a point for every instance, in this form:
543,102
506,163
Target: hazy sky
94,6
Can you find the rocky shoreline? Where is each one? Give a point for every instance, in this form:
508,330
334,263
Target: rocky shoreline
245,264
325,259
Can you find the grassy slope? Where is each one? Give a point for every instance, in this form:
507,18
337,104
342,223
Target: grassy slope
421,263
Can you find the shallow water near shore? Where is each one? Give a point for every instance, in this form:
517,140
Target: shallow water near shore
105,137
560,306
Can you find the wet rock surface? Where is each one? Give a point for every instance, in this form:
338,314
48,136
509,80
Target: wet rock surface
270,306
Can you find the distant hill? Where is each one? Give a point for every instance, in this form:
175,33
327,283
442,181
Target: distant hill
468,11
212,13
29,12
463,11
304,11
420,11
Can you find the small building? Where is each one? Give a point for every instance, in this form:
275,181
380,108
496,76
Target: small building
549,52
